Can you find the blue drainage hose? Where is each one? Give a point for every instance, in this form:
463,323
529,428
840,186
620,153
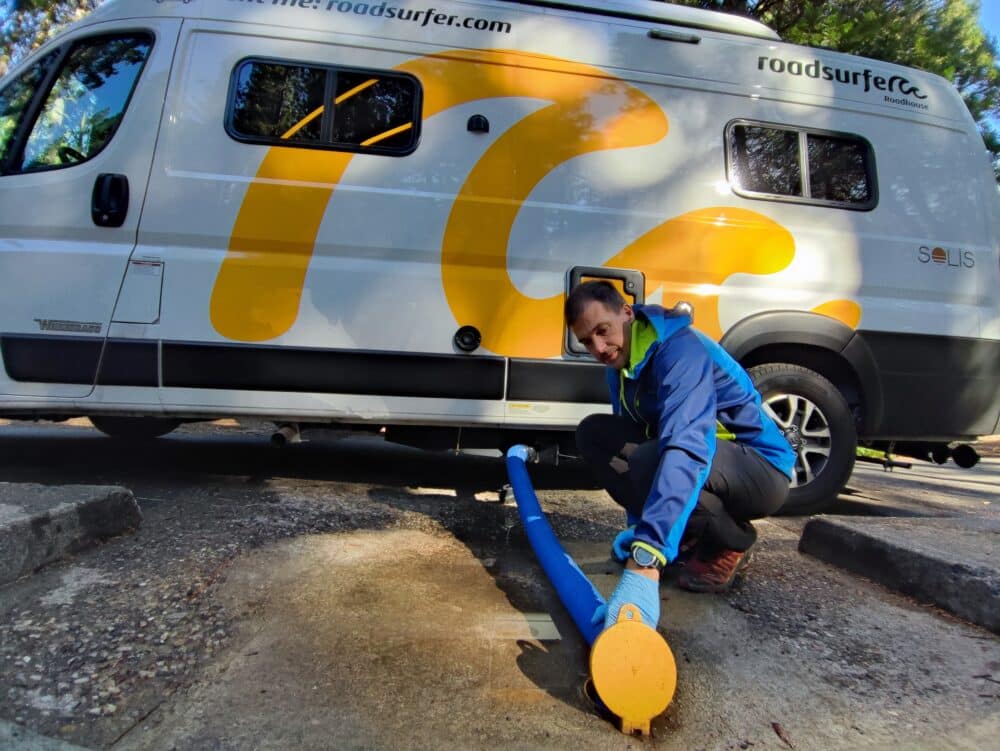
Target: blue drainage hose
578,594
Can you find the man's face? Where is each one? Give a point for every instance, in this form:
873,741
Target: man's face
605,333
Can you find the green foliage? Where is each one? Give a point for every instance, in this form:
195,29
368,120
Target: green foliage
27,24
271,99
13,101
940,36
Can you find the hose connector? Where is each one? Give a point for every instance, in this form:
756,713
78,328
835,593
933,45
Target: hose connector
526,454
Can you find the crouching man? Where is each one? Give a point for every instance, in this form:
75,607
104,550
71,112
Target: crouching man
658,456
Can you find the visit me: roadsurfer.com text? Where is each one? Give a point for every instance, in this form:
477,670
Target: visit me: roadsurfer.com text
385,10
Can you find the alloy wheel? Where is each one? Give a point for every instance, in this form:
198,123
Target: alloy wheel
807,429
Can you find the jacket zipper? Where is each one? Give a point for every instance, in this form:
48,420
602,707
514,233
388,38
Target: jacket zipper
637,417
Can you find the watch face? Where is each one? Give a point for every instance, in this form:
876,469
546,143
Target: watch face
643,557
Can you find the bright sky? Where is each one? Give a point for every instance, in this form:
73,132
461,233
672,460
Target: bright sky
989,15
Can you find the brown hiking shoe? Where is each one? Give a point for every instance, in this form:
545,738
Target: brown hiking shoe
714,575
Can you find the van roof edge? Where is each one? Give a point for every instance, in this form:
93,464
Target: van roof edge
675,15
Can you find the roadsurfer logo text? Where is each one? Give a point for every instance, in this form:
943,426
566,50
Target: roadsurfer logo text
863,78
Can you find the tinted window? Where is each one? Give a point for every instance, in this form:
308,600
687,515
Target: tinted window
370,110
838,169
767,162
86,103
279,101
352,110
15,98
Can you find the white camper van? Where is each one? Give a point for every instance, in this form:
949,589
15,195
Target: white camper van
370,213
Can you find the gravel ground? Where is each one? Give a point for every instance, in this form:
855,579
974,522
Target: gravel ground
91,647
111,637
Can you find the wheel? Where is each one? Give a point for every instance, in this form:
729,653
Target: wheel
815,418
965,456
134,428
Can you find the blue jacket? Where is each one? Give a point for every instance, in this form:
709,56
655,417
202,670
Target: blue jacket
679,383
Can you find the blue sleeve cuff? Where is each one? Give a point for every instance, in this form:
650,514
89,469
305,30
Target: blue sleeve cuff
655,548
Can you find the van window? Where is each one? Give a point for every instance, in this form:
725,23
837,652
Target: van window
371,111
15,98
279,101
838,170
780,163
86,103
767,160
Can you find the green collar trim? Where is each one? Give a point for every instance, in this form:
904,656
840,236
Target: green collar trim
643,337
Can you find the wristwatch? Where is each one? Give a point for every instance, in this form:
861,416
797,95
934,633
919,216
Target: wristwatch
644,557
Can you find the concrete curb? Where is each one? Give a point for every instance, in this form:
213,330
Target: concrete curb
40,524
951,563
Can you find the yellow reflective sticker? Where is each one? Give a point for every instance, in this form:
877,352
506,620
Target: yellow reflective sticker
845,311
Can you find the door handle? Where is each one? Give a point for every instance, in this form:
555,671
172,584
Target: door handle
109,204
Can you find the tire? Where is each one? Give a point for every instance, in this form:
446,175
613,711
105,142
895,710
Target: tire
965,456
134,428
815,417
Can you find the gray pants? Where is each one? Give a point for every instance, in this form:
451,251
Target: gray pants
741,485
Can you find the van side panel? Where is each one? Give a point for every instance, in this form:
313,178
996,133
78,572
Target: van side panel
60,273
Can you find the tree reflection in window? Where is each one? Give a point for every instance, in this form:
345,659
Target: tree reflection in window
373,110
368,110
15,98
838,169
766,160
767,163
279,101
87,101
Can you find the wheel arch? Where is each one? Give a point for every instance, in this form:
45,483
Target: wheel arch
820,343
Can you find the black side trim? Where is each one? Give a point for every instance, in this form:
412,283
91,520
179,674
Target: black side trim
936,387
51,359
128,362
258,368
547,381
862,360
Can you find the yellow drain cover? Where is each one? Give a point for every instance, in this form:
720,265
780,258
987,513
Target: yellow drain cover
633,670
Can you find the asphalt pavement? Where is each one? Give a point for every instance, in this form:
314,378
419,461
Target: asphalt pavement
357,595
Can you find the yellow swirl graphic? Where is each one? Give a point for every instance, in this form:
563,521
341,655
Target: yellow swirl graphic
474,249
847,312
259,286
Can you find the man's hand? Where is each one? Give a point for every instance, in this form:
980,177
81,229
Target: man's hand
637,588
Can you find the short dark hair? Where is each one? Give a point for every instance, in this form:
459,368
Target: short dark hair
600,291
